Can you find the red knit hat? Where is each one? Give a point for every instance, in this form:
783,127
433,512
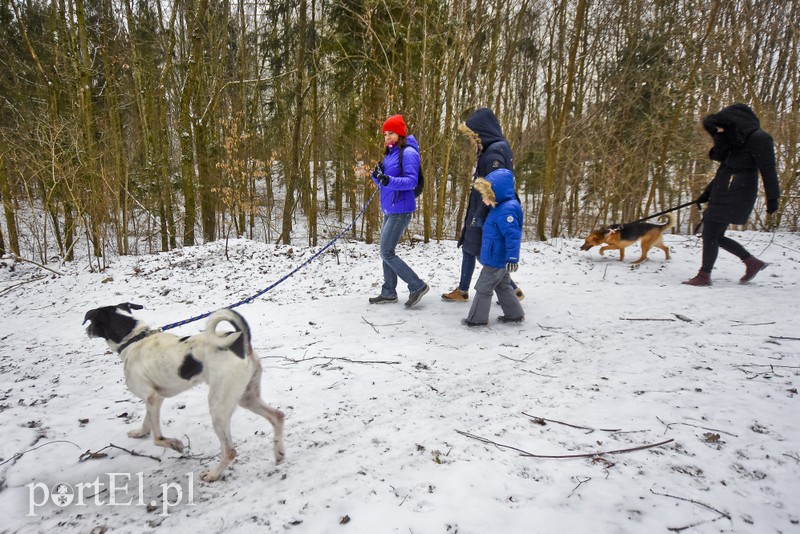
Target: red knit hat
395,124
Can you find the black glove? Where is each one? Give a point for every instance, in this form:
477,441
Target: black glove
702,199
772,205
378,174
512,267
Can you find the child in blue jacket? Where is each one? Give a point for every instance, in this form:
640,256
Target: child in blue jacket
500,246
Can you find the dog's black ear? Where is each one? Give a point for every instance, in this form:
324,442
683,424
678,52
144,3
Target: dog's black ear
127,306
90,315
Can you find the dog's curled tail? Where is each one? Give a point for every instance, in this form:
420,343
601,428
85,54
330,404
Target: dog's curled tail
670,222
238,341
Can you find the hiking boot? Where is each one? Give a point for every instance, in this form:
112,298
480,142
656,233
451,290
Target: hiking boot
518,292
505,319
467,322
415,296
456,295
753,265
380,299
702,278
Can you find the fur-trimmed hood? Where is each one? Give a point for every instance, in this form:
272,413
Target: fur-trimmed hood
484,126
738,121
497,187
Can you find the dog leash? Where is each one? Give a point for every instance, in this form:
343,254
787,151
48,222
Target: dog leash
663,212
251,298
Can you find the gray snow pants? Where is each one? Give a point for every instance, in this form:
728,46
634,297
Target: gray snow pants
498,281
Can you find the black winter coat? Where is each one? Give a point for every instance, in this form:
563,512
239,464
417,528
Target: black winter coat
743,150
495,154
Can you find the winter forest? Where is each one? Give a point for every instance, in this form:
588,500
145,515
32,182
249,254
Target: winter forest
137,126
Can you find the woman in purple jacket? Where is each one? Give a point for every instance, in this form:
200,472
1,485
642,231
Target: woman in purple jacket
397,177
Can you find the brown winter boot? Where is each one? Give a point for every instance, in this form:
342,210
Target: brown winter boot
702,278
753,265
456,295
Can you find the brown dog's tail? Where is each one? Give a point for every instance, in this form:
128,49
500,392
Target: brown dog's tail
669,224
238,341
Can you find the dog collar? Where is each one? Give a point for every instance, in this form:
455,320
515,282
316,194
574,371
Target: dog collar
135,339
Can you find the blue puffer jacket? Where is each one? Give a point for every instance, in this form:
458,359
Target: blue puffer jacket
398,195
502,231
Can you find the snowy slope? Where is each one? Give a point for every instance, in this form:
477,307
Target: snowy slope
384,406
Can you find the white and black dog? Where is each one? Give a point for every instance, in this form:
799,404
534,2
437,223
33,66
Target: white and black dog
160,365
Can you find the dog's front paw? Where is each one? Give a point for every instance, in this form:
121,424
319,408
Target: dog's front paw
280,454
209,476
170,443
136,434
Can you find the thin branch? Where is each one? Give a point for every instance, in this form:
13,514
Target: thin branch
644,319
341,359
19,455
89,455
670,425
18,258
565,456
723,514
537,419
10,288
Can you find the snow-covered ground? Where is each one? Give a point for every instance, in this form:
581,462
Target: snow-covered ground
406,421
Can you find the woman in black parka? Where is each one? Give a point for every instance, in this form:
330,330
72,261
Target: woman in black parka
743,150
492,152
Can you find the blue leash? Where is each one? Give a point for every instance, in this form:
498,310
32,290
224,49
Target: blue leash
250,299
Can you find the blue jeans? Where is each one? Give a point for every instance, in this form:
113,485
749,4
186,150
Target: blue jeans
394,224
468,269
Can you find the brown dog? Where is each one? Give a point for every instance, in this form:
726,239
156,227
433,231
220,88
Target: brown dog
619,236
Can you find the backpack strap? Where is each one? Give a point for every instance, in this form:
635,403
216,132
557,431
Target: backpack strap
400,158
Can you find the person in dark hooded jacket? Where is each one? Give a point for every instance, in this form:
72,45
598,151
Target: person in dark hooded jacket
492,152
743,150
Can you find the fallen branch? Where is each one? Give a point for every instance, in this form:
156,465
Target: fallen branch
537,419
555,329
645,319
10,288
18,258
670,425
89,455
564,456
373,326
19,455
678,529
341,359
785,338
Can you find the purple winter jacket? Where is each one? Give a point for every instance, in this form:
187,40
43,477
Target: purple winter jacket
398,195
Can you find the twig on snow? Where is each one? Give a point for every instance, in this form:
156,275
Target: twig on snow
555,329
18,258
667,319
670,425
373,326
10,288
794,457
88,455
19,455
742,323
564,456
785,338
339,359
704,505
537,374
541,420
581,482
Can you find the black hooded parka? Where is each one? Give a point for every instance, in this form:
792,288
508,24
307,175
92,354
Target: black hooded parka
495,154
743,150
